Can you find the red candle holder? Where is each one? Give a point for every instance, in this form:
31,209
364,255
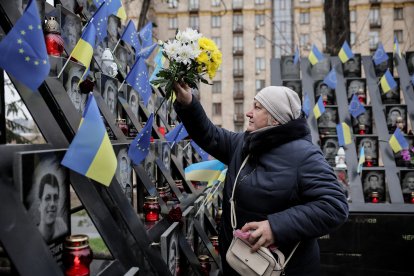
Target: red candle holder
215,242
162,130
374,197
152,209
77,255
361,99
412,198
205,264
121,123
163,193
368,161
361,129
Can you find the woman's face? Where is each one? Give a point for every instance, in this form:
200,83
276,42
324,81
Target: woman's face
258,117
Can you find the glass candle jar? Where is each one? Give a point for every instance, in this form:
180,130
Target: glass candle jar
77,255
374,197
163,193
412,198
152,209
205,264
362,129
215,242
368,161
121,123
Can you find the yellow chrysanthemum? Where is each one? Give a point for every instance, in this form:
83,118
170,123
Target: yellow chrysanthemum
203,57
207,44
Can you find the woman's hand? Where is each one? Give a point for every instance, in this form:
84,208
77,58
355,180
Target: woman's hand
261,234
183,93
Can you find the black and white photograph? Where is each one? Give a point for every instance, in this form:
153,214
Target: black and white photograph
188,152
363,123
357,87
161,106
70,5
71,29
392,96
97,55
124,171
295,85
352,68
409,56
72,76
289,70
330,149
114,24
381,68
396,118
149,164
166,155
373,181
328,94
45,193
170,250
370,145
121,58
133,101
151,103
328,121
109,90
321,69
407,184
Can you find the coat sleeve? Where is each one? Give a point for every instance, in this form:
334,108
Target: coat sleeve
216,141
322,205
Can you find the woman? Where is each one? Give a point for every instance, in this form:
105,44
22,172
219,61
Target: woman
287,192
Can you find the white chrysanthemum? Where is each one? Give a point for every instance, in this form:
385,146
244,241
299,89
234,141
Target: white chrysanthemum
186,53
189,36
171,48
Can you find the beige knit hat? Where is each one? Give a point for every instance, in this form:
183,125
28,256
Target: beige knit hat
281,102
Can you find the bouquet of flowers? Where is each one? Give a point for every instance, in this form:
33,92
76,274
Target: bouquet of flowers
190,57
406,155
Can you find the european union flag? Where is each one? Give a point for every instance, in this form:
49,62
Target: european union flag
100,21
397,50
177,134
146,52
387,82
146,35
91,153
361,159
330,79
319,108
204,171
113,7
138,78
139,148
23,50
344,134
130,36
204,155
356,108
397,141
345,53
315,55
380,55
306,105
296,58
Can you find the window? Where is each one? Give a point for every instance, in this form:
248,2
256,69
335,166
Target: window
260,84
238,65
260,64
374,17
399,35
215,3
304,18
216,89
173,4
259,2
260,41
304,39
217,40
259,20
216,21
238,108
172,23
194,4
282,28
353,37
238,87
352,16
216,109
237,4
237,43
398,14
237,22
373,39
194,22
283,4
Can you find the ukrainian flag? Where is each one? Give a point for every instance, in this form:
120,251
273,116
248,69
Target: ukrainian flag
387,82
83,50
319,108
361,159
397,50
345,53
397,141
315,55
91,153
205,171
344,134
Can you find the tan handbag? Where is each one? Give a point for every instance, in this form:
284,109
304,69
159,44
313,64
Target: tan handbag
245,262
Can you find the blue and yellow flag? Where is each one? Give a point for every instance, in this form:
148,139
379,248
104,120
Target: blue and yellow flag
91,153
397,50
100,21
387,82
356,108
296,58
315,55
23,50
83,51
113,7
145,34
159,60
380,55
140,146
203,154
204,171
306,104
138,78
330,79
361,159
130,36
344,134
319,108
397,141
345,53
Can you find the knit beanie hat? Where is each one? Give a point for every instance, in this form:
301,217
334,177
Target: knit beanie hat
281,102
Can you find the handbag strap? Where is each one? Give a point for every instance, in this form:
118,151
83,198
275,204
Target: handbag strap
232,206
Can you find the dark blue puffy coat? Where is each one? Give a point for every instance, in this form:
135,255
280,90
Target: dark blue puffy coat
286,181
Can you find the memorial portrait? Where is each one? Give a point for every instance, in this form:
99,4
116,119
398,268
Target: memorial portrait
392,96
289,69
121,56
113,27
110,93
321,69
86,7
151,103
363,123
407,184
381,68
72,76
352,68
71,29
70,5
295,85
370,145
188,152
161,106
327,94
357,87
330,149
396,117
133,101
373,181
328,121
123,172
44,186
97,55
149,164
170,250
410,62
166,155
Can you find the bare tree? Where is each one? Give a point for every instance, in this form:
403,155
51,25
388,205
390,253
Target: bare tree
337,27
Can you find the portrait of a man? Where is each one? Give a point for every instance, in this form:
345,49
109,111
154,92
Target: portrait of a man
72,81
363,123
407,184
381,68
166,155
97,55
121,56
321,69
370,147
112,31
327,122
110,95
323,90
124,173
374,182
295,85
392,96
330,149
357,87
71,26
352,68
133,102
289,70
149,164
396,117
